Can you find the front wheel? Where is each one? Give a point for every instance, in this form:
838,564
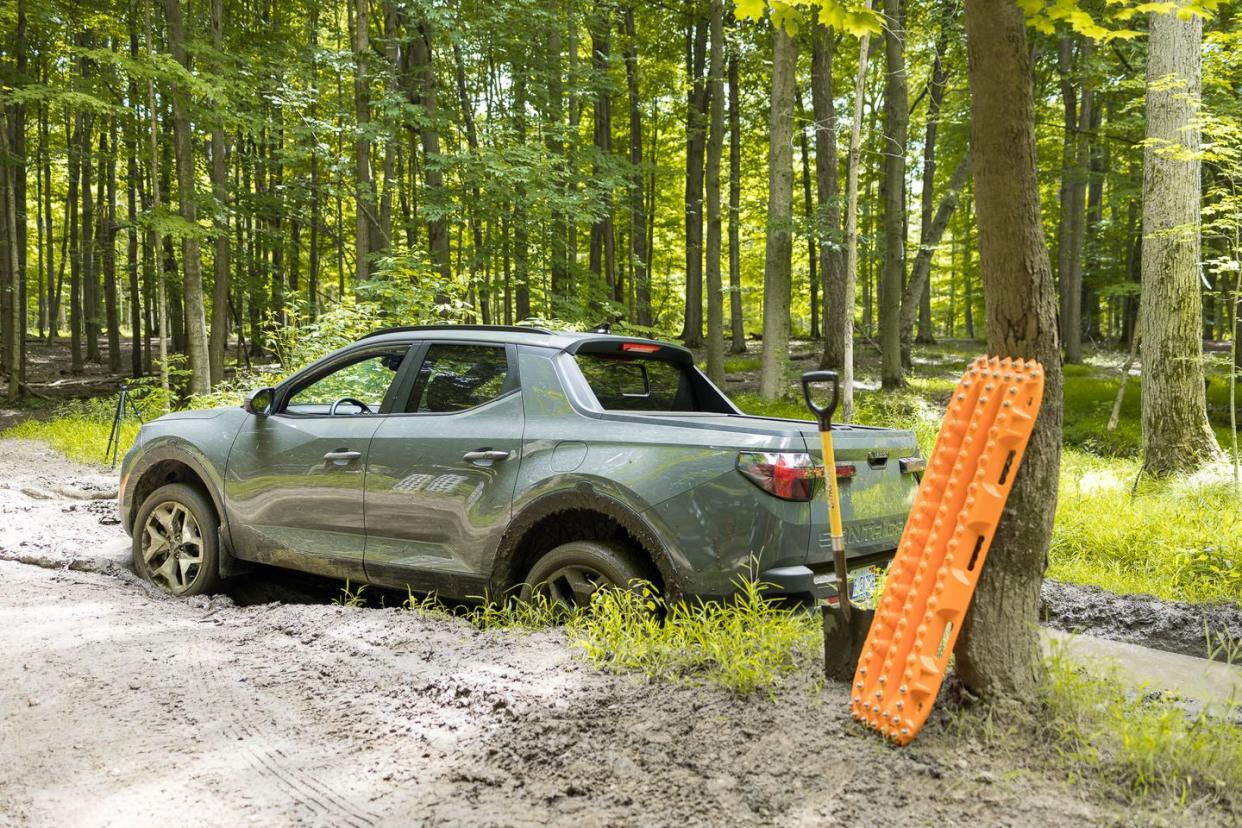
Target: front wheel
176,541
573,572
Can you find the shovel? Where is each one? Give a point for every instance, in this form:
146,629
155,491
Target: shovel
845,625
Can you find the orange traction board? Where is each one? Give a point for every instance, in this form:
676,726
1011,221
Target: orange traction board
944,545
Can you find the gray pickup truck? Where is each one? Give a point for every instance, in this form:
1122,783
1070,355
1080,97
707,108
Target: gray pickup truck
477,460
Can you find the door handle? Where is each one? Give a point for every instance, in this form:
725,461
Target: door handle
342,455
485,456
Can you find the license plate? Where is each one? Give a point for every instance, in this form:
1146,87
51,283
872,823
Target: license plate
862,586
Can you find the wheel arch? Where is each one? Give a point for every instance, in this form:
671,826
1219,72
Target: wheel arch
578,513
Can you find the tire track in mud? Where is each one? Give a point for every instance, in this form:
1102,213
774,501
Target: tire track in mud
239,729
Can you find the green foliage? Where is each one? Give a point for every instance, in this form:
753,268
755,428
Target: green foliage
77,436
1146,743
1175,539
351,597
745,645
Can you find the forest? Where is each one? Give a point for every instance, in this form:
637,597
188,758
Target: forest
199,198
195,177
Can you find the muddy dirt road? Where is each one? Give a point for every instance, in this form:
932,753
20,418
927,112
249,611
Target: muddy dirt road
119,706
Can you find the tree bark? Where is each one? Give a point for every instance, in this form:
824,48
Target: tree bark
715,149
838,309
896,125
1176,435
639,252
108,239
366,218
602,253
735,208
778,255
920,271
561,284
935,99
696,136
850,280
183,138
998,650
219,189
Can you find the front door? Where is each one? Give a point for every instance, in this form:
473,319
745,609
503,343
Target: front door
294,482
442,470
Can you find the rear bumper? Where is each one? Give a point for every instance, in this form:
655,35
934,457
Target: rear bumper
812,584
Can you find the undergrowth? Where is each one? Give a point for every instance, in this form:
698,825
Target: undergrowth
745,644
1146,743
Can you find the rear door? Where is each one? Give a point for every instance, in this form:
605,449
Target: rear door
294,481
442,470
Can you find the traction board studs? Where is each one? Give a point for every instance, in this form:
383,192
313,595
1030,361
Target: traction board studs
945,544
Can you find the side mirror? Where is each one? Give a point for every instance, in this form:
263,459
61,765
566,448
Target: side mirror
259,402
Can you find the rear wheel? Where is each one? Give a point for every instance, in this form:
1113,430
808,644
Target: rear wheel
176,541
572,572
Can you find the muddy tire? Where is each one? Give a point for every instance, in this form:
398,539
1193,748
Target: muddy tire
176,541
572,572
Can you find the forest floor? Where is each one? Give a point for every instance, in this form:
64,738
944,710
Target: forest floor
272,704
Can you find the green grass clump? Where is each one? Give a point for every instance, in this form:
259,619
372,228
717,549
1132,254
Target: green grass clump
1176,539
1145,743
745,645
81,437
739,365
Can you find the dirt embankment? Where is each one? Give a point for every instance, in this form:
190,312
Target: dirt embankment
121,706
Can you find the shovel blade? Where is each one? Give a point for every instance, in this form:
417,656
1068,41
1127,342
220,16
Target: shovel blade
844,636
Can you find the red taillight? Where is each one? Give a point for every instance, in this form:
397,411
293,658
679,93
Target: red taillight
787,475
846,470
639,348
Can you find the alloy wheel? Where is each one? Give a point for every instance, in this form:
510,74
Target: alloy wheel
172,547
572,585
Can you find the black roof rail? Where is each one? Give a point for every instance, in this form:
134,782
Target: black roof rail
451,327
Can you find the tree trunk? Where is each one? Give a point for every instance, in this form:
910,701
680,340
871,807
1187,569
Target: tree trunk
715,149
696,136
939,78
196,323
423,92
602,249
850,280
838,310
639,253
920,272
521,235
896,124
75,245
13,309
1176,434
219,190
808,213
366,219
777,259
86,287
108,238
154,165
735,208
998,650
561,285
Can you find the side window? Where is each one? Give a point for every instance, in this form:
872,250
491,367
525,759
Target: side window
457,377
365,380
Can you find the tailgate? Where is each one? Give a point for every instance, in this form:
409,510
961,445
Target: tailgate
875,500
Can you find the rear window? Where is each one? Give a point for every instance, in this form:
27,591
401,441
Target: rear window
635,384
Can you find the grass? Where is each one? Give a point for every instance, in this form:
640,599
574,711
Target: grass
744,645
79,436
1147,744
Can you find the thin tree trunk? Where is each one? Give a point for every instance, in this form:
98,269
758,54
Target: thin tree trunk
196,323
641,278
366,220
423,92
562,287
838,310
998,649
219,189
13,308
111,311
808,212
777,261
896,123
87,286
735,209
852,162
696,137
1176,435
601,256
715,148
935,99
160,302
920,271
